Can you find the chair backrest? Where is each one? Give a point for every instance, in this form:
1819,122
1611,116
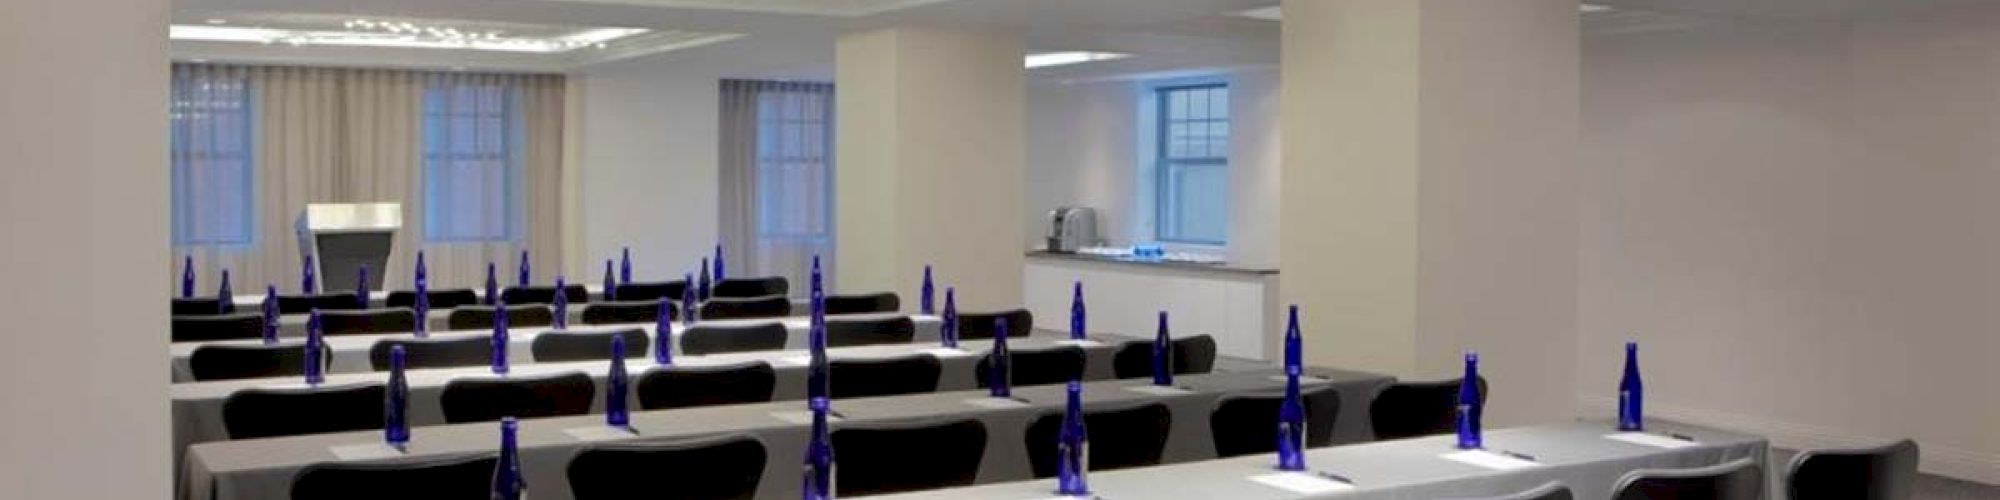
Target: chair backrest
1120,438
449,478
262,412
1741,479
843,332
370,321
478,399
725,468
1881,473
979,325
574,345
224,362
885,302
301,304
744,288
1191,354
668,387
197,306
440,299
627,312
433,352
1553,490
774,306
481,317
670,290
859,378
710,339
1054,365
577,294
218,327
1246,424
877,459
1411,409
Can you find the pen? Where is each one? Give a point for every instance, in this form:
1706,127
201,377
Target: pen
1336,477
1523,456
1682,437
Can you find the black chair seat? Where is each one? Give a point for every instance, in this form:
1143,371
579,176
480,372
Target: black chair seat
670,387
370,321
1412,409
198,306
440,299
885,302
573,345
1247,424
224,362
745,288
715,469
520,396
1879,473
481,317
1191,354
301,304
218,327
879,459
449,478
844,332
670,290
710,339
625,312
576,294
1054,365
775,306
262,412
860,378
1738,480
1122,438
433,352
979,325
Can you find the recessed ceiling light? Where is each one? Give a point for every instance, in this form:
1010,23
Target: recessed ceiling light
363,33
217,20
1591,8
1047,59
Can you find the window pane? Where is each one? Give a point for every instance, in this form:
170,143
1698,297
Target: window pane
1192,181
209,130
470,165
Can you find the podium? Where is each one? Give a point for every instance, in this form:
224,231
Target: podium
342,237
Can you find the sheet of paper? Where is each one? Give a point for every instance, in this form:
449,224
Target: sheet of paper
996,403
1158,390
947,352
1079,343
1303,483
801,417
599,433
1487,459
368,451
1653,440
796,361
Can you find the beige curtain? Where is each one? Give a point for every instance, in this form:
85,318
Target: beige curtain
777,178
357,135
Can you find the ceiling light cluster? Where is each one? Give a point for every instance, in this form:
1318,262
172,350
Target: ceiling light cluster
1047,59
403,34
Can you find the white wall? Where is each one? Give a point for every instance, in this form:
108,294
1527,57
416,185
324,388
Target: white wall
648,170
1797,223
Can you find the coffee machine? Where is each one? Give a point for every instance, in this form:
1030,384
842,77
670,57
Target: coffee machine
1072,228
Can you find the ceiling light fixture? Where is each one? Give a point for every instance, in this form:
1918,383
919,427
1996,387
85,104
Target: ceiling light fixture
1047,59
1276,13
217,20
401,34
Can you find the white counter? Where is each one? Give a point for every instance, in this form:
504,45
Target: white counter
1239,306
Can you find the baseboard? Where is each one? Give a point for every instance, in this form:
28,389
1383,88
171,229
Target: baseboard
1947,461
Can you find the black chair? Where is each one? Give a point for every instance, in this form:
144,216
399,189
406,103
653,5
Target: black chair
1192,354
263,412
224,362
370,321
668,387
563,345
481,317
1738,480
710,339
860,378
625,312
198,306
1879,473
576,294
885,302
450,478
521,396
715,469
440,299
1248,424
301,304
1412,409
977,325
747,288
218,327
775,306
670,290
876,459
1053,365
433,352
1129,437
845,332
1554,490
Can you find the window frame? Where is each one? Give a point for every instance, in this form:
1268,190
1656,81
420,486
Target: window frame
508,156
182,221
1164,164
777,124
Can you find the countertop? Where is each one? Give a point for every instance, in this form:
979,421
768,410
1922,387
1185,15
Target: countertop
1163,264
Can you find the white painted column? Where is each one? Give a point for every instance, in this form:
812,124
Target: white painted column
83,129
1429,200
930,151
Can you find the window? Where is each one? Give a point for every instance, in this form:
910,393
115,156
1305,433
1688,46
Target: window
1191,175
210,126
471,161
794,163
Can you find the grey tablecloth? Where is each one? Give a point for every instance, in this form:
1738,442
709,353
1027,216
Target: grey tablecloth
350,352
258,469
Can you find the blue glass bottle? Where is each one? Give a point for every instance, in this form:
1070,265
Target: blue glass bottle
1469,405
1291,411
663,334
999,375
610,285
187,277
719,276
423,300
523,281
625,265
361,287
507,481
688,306
1076,325
561,304
308,284
925,293
1631,393
817,373
499,347
948,326
818,476
1163,355
395,418
492,285
226,300
615,382
1073,446
270,310
314,360
702,289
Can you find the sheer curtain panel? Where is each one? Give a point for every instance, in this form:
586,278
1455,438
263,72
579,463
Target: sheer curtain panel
777,175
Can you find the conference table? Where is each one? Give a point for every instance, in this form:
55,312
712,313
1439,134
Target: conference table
263,468
1582,455
380,298
350,352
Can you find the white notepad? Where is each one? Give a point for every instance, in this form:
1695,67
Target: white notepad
947,352
599,433
996,403
368,451
1079,343
1653,440
1487,459
1158,390
800,416
1302,483
796,361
